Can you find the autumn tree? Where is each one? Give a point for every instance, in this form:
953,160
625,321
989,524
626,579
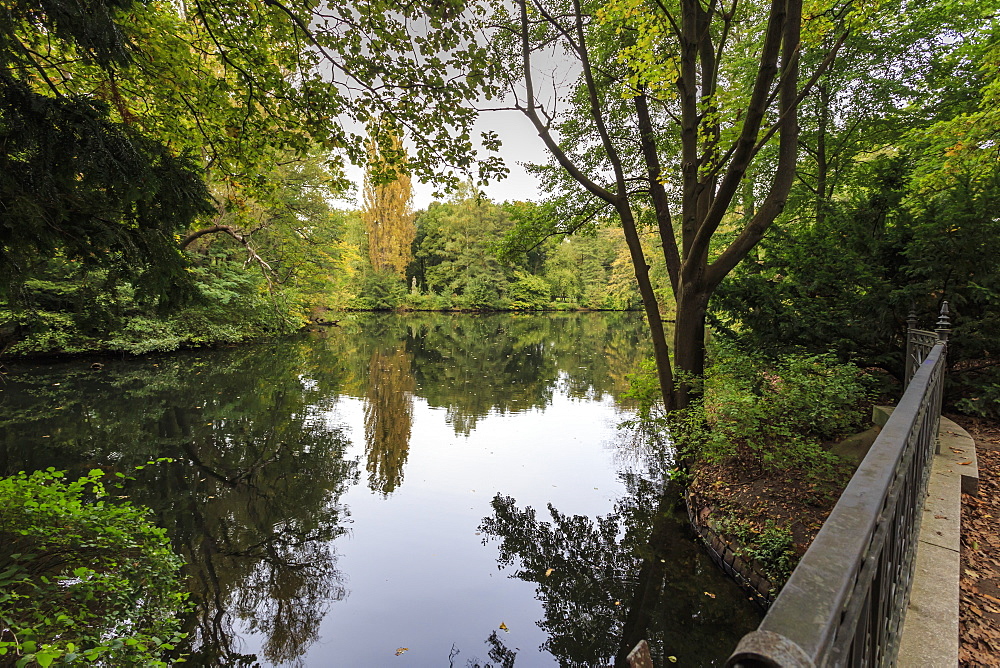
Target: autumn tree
681,119
388,214
144,100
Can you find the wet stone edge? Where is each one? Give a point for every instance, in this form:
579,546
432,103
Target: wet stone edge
725,553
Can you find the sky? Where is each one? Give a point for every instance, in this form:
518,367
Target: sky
520,143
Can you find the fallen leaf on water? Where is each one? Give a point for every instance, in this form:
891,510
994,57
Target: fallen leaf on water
549,571
400,650
709,594
503,627
672,659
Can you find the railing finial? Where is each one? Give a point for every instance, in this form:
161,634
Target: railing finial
911,319
943,328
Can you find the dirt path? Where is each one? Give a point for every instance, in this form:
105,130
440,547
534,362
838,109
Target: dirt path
979,609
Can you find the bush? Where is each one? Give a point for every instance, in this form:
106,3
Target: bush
528,292
82,579
770,545
379,291
777,414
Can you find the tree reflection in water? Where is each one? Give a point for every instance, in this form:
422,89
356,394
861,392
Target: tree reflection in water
498,652
256,532
251,498
607,583
388,417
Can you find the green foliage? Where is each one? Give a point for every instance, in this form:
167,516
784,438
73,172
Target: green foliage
73,180
773,414
528,292
847,282
454,252
985,399
469,251
379,291
899,186
644,389
772,546
230,305
82,579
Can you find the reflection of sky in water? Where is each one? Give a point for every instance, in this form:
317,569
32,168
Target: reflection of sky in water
418,574
412,424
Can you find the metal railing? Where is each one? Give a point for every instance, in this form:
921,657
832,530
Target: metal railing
844,603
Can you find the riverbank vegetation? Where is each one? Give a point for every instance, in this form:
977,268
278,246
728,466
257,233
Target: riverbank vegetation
85,578
67,307
757,449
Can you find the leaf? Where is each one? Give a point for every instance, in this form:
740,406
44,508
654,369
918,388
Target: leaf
709,594
672,659
965,463
549,571
400,650
503,627
44,658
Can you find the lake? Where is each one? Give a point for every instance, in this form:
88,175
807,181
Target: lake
400,490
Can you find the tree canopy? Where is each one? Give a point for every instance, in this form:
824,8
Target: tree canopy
680,117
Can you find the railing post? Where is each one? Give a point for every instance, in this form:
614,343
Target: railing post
943,331
943,328
910,366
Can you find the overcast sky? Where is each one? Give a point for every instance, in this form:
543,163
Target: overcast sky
520,144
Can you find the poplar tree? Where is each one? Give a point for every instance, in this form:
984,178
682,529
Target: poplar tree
388,211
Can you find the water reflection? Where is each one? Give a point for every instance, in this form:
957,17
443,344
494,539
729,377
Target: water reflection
250,498
265,483
255,519
607,583
388,417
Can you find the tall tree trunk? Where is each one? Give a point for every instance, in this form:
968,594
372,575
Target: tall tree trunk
822,164
689,341
651,305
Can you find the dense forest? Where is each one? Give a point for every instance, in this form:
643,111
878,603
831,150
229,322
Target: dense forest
305,259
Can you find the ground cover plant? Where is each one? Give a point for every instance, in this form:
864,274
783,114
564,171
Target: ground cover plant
757,445
83,579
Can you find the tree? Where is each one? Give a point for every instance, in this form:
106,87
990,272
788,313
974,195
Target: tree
682,118
144,101
454,254
72,178
388,214
894,209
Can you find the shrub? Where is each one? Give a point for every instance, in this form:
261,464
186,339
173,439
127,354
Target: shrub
82,579
528,292
770,545
379,291
777,414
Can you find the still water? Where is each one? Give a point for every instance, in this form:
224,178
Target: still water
401,490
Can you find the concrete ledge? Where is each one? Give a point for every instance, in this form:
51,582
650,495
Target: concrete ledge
930,627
